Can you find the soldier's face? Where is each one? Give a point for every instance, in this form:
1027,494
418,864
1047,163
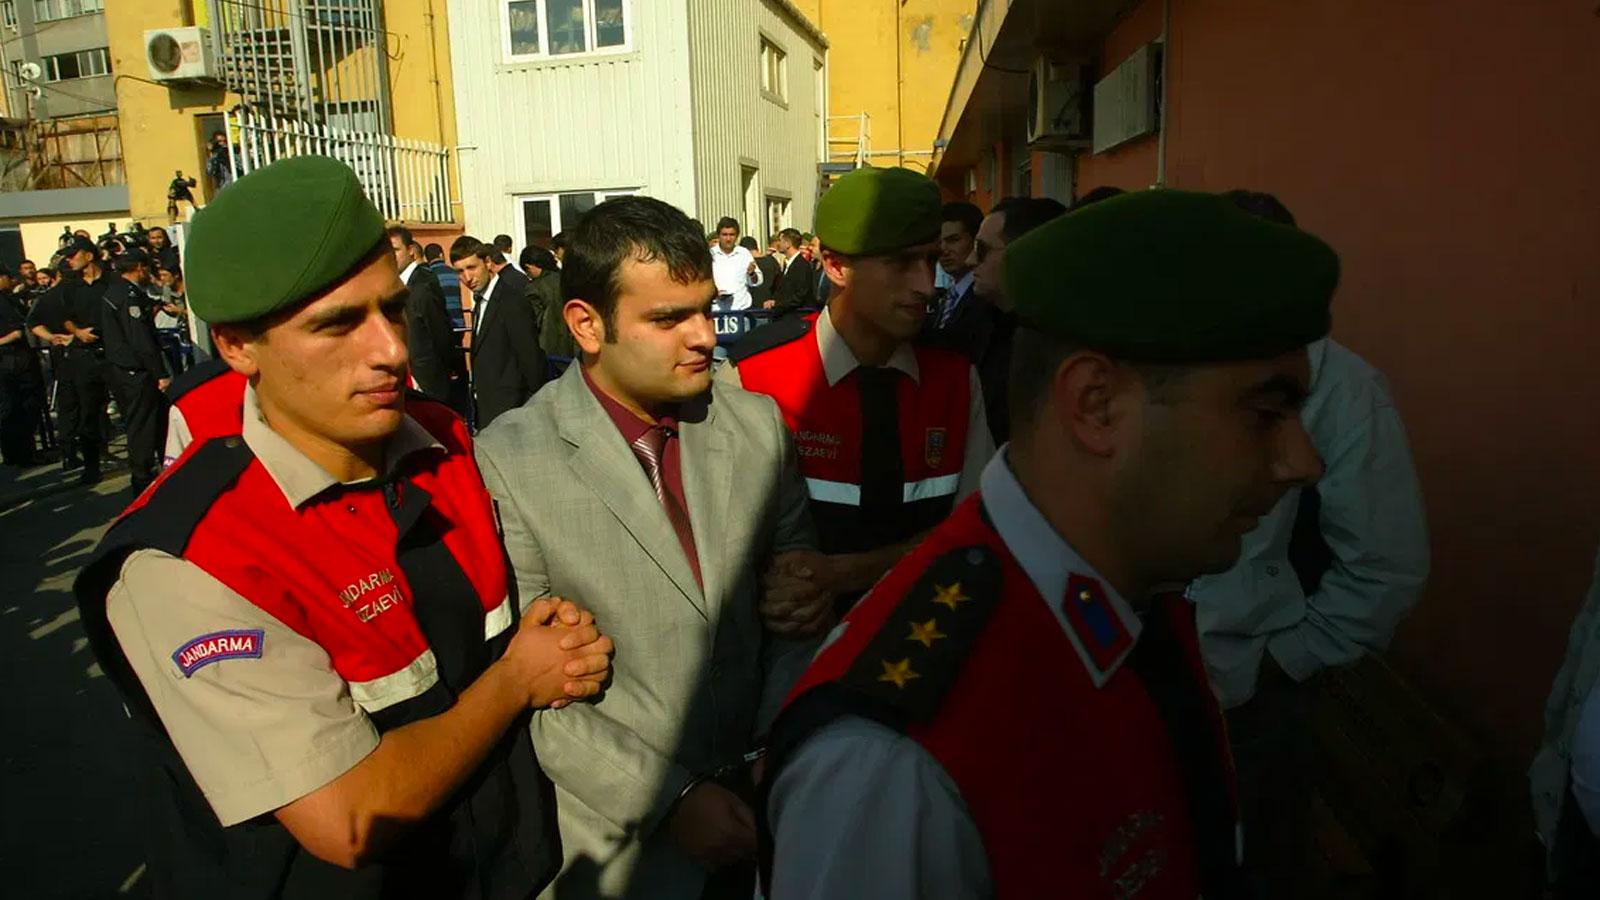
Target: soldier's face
334,371
658,350
890,292
1206,452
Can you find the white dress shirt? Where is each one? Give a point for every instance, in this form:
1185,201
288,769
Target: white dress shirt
480,302
1372,520
405,274
731,271
861,810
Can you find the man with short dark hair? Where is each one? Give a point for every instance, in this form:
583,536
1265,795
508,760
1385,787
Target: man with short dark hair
640,486
891,434
162,252
83,362
502,243
429,336
544,286
507,364
958,229
797,288
733,267
770,268
309,618
136,371
1021,706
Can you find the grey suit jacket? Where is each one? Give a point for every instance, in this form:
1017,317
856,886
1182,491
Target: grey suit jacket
691,673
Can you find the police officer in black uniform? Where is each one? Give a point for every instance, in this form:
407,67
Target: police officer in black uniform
83,363
48,322
136,370
20,377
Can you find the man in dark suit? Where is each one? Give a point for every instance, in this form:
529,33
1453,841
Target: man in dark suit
771,271
429,333
798,287
507,364
982,325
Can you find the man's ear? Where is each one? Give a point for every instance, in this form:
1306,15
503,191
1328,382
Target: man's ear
837,266
236,349
588,329
1089,398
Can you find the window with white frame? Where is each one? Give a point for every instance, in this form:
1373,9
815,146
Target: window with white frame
542,216
778,215
83,64
539,29
50,10
8,14
774,71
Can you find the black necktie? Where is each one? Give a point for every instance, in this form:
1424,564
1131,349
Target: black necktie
882,469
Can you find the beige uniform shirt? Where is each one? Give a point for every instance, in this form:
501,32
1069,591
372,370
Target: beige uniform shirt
257,732
838,360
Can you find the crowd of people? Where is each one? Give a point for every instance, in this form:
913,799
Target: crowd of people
105,320
999,560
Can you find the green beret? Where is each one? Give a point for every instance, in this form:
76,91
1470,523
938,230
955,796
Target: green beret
276,237
875,211
1173,276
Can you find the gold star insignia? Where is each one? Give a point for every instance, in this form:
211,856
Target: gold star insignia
898,673
949,596
926,633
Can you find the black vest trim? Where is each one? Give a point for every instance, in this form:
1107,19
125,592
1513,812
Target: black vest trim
902,675
195,376
783,331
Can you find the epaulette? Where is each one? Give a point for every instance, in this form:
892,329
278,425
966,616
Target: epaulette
783,331
912,661
195,376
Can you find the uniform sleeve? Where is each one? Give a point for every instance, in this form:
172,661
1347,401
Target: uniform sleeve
862,811
254,709
178,435
980,442
141,334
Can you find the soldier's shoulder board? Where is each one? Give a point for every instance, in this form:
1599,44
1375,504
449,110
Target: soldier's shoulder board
917,655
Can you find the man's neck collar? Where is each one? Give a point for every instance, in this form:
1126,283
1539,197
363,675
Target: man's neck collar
598,381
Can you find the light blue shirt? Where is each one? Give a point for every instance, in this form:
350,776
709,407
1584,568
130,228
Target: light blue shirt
1586,762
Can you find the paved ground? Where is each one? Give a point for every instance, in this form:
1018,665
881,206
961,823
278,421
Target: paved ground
70,827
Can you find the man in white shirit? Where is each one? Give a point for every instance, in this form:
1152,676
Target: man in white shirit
733,268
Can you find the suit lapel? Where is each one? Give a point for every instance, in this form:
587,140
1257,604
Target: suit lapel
611,472
707,460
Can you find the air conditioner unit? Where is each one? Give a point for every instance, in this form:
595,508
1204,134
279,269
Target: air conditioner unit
180,54
1059,113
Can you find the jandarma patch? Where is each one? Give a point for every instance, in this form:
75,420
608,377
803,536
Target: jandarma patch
217,646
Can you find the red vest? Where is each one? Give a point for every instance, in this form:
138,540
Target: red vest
1077,791
405,586
827,424
210,397
328,570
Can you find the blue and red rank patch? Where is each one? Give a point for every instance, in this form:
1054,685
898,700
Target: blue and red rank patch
218,646
1099,628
